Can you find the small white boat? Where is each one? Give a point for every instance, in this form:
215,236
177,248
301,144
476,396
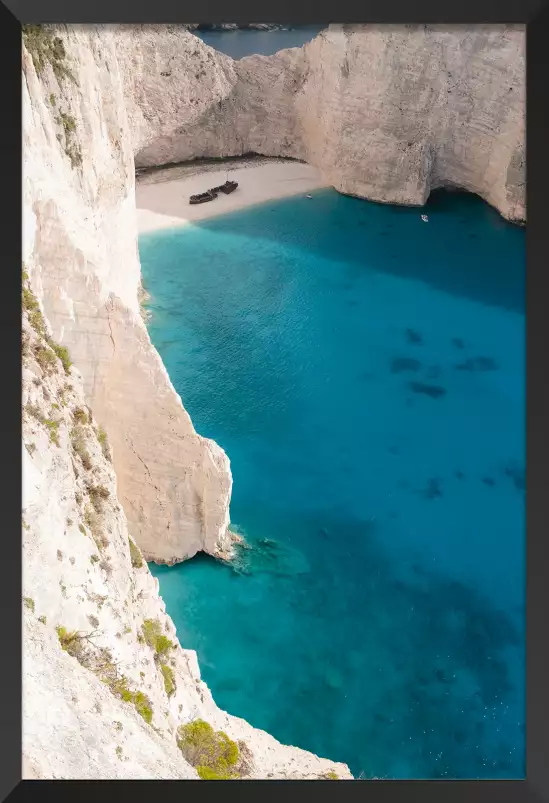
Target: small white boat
425,218
308,196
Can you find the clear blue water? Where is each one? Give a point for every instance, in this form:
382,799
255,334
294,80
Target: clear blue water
240,43
365,373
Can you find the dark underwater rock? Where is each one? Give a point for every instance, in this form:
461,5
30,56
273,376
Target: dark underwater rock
474,364
516,474
433,490
413,336
400,364
434,391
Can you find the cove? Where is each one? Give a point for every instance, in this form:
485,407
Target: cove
365,373
249,42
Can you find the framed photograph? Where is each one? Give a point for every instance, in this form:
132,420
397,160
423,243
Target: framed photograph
280,491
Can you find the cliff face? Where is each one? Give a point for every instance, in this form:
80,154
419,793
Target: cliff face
106,683
80,242
384,112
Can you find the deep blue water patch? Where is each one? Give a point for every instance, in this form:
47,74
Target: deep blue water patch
365,373
240,43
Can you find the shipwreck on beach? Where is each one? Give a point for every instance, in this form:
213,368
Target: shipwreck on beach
212,193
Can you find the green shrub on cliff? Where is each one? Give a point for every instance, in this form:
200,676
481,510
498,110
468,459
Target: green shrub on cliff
169,679
29,603
63,354
212,753
104,443
45,48
44,353
330,776
152,633
135,555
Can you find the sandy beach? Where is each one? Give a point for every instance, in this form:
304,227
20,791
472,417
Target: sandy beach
162,196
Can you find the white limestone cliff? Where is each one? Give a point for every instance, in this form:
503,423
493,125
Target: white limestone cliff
387,113
81,241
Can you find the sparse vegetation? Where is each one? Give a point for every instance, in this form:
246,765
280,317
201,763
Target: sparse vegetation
31,448
330,776
71,147
94,559
45,358
169,679
104,443
63,354
53,428
71,642
101,663
117,726
78,443
212,753
29,603
142,704
119,753
97,494
93,620
94,524
45,48
32,308
97,599
59,555
42,619
152,633
80,416
135,555
245,762
44,354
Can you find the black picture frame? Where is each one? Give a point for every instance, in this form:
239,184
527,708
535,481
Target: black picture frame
534,14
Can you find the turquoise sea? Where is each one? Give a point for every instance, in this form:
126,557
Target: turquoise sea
365,373
240,43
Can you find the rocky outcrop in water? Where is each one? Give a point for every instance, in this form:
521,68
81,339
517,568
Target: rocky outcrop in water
384,112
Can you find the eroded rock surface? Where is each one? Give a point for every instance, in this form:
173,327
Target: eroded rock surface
385,112
80,243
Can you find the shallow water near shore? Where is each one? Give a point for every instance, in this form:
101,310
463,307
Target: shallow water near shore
365,373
